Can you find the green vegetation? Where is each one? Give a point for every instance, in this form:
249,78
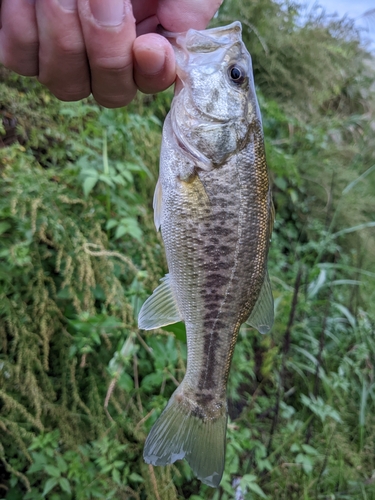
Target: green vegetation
80,386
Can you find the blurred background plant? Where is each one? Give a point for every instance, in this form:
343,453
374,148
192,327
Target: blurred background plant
80,386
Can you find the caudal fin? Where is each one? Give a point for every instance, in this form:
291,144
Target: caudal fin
181,433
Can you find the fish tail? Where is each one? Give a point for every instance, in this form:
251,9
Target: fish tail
185,431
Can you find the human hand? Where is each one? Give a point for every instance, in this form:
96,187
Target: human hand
105,47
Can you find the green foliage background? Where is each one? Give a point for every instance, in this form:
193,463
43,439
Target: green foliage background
80,386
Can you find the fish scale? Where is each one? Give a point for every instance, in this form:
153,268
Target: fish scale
214,207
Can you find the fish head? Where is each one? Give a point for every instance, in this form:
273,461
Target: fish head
215,103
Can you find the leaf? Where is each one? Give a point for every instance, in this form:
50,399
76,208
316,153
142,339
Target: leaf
136,478
256,489
178,329
351,319
125,382
248,481
111,223
107,180
36,467
309,449
280,182
88,185
61,464
354,228
316,285
119,180
52,470
120,231
50,484
305,461
4,226
65,485
116,476
306,353
130,226
151,381
360,178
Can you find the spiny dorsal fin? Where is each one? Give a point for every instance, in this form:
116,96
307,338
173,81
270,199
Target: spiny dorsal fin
157,204
262,315
160,309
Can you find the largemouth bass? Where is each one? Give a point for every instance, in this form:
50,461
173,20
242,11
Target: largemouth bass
213,204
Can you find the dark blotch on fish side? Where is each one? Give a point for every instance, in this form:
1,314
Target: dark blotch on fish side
211,305
209,324
216,265
211,314
222,231
215,280
226,215
211,296
224,249
203,398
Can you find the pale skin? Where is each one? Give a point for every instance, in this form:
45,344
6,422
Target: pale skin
105,47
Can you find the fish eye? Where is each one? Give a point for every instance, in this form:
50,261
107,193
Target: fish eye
236,74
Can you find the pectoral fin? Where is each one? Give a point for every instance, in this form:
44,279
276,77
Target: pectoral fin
160,309
262,315
157,204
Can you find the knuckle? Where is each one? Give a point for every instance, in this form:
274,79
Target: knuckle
113,65
67,46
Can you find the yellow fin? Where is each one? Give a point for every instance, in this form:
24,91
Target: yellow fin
160,309
157,204
262,315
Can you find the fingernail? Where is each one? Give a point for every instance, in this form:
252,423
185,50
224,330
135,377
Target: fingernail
150,54
153,63
69,4
108,13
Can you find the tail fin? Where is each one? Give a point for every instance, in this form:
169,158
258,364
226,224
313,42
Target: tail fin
182,433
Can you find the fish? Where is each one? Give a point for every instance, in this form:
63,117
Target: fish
214,207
